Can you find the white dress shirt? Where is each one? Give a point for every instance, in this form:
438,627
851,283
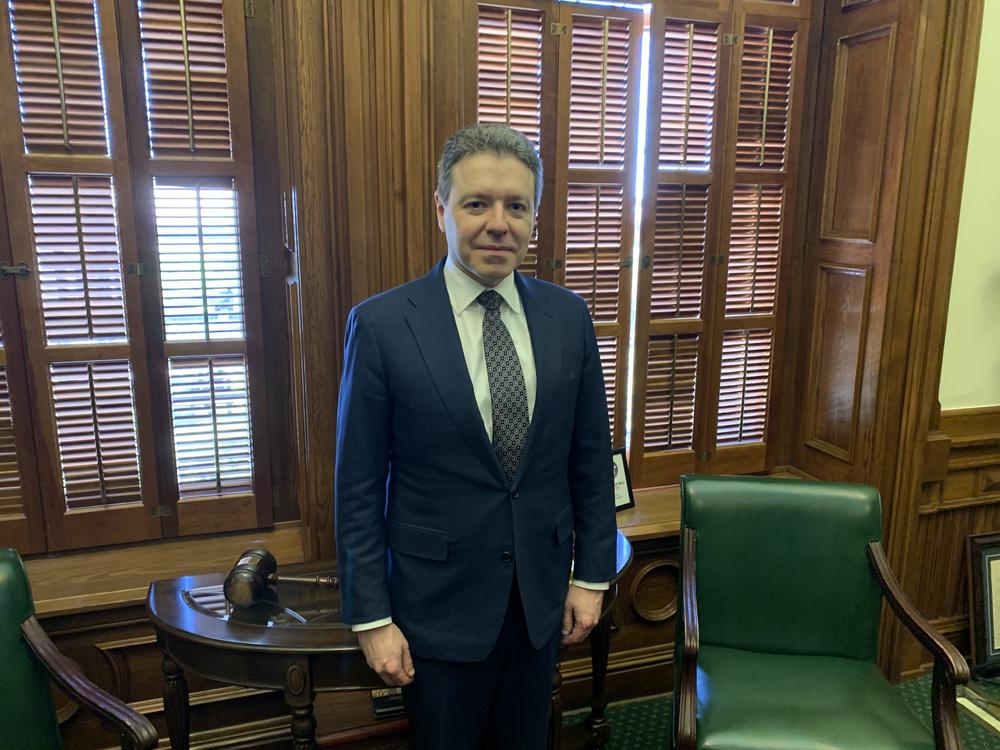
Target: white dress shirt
462,293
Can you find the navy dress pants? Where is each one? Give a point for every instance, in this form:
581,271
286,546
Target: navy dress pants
500,702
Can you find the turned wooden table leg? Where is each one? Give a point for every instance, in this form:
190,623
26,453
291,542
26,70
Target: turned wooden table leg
299,696
175,703
600,647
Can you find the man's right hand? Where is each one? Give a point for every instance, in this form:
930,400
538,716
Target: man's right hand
388,654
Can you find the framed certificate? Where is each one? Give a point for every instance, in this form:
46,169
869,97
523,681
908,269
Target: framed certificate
623,483
984,603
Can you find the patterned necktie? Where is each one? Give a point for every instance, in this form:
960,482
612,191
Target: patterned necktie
507,391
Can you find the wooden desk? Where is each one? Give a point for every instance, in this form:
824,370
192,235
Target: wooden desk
264,648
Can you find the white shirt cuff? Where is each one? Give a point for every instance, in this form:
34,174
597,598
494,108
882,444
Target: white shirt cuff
361,626
592,586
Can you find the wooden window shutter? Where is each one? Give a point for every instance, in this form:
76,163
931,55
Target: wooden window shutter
186,72
512,62
684,178
194,159
10,478
770,69
595,178
57,59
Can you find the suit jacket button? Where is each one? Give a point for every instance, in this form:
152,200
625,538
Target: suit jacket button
506,556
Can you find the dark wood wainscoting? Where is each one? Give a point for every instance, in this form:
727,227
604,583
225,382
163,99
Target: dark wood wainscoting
960,496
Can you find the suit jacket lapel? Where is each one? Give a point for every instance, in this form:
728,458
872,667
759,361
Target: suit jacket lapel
547,349
432,323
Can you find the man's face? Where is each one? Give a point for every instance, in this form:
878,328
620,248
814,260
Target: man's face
489,216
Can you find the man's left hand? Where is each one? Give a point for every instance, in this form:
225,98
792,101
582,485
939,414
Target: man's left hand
580,613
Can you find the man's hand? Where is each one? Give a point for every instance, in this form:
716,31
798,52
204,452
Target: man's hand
580,613
388,654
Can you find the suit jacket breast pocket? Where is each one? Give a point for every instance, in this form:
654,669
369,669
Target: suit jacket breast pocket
417,541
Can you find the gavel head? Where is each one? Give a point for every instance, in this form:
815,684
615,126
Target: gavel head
247,582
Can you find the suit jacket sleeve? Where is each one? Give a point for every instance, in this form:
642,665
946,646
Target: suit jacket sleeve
364,417
590,470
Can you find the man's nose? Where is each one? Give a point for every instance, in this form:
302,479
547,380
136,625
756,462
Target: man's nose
496,220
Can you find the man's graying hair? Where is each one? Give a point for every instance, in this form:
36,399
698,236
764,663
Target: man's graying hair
487,138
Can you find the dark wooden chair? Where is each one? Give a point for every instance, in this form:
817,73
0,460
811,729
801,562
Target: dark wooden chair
29,659
781,586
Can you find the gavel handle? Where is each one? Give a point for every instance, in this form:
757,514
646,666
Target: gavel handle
327,582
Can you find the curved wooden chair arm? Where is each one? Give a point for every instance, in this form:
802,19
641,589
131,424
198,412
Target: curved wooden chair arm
940,647
687,724
136,730
950,669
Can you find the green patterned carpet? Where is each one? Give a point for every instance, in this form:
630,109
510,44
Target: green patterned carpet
645,724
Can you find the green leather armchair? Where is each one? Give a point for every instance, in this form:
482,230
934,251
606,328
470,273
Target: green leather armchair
780,598
29,658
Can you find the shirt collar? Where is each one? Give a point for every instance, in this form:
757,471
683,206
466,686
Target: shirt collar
463,289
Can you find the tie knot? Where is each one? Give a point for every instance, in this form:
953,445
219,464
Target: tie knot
490,299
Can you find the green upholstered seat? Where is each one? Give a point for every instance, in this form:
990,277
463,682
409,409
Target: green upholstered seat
760,701
28,718
782,641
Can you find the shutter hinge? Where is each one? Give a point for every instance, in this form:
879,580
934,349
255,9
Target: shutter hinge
554,263
625,263
703,456
717,260
558,29
160,511
248,8
20,270
265,266
137,269
730,40
646,261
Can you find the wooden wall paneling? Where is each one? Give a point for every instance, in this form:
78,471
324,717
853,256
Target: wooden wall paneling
929,226
311,52
265,106
927,54
865,59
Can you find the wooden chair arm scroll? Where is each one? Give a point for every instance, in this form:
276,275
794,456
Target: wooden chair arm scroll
136,731
687,727
950,669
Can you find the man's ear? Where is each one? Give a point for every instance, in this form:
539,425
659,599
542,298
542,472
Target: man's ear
439,208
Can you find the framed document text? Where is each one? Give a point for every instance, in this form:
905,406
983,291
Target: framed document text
622,481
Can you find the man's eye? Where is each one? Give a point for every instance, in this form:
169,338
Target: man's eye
474,205
519,207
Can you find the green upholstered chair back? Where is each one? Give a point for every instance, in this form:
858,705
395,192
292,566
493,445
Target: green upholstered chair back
27,717
782,564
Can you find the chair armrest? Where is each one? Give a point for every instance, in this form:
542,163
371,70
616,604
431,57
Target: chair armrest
136,730
687,697
940,648
950,668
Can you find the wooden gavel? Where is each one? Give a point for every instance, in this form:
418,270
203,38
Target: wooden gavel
256,570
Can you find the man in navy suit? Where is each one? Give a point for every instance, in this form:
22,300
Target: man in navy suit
474,466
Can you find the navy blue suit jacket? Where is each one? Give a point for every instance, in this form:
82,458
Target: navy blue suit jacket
424,515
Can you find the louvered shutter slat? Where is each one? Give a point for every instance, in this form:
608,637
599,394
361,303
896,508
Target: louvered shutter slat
607,348
94,409
743,387
687,110
187,88
59,83
594,236
77,258
211,424
765,97
679,251
672,366
199,259
599,85
754,245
